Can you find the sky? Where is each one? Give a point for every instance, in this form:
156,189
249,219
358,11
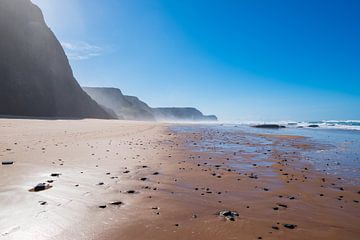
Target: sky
241,60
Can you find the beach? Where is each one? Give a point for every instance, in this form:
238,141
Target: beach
111,179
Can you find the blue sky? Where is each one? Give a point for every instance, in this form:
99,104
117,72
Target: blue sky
241,60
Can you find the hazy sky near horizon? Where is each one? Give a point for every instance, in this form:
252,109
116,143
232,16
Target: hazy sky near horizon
241,60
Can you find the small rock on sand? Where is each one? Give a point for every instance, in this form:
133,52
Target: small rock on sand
7,162
290,226
229,215
116,203
40,187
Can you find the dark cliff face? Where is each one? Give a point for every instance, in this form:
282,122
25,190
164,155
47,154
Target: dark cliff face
35,76
182,114
132,108
125,107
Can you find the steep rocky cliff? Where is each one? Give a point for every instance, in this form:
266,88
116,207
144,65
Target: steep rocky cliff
132,108
125,107
182,114
35,76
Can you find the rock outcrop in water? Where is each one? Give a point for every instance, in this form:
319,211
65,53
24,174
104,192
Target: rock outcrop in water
132,108
272,126
35,76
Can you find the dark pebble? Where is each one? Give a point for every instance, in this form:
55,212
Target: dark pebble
290,226
7,163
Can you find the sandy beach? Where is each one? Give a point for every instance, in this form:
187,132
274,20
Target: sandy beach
114,179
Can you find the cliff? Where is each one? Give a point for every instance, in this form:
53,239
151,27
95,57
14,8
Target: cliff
35,76
132,108
125,107
182,114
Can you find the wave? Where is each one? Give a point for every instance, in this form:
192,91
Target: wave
328,124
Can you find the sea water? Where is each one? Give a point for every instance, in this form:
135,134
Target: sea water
336,150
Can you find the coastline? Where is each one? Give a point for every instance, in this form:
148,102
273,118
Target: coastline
179,187
288,192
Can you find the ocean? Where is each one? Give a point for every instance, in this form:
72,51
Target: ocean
336,144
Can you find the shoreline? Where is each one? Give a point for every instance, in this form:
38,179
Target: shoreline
178,187
318,206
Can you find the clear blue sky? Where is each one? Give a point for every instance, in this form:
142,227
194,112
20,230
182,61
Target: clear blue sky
247,60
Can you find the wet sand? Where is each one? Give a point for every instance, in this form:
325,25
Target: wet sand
163,186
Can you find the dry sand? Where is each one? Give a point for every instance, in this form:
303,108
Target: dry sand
178,191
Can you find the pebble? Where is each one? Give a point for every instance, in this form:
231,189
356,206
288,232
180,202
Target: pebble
40,187
7,162
229,215
289,226
116,203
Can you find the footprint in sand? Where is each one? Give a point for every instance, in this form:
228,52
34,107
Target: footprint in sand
10,231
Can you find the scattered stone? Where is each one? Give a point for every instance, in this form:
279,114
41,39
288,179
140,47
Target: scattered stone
40,187
55,174
116,203
130,191
143,179
155,173
289,226
229,215
252,175
7,162
102,206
